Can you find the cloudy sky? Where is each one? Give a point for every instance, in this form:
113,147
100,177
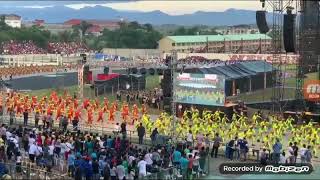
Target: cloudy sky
168,6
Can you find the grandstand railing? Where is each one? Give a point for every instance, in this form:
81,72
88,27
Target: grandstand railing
30,172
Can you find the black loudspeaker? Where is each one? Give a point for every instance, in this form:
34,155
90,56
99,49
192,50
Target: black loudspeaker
106,70
289,35
262,22
160,71
86,70
143,71
134,70
151,71
166,83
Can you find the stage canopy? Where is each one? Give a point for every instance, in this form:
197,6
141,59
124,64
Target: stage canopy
234,71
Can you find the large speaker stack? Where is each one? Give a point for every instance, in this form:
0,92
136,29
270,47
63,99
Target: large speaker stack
309,27
166,86
166,83
289,34
262,22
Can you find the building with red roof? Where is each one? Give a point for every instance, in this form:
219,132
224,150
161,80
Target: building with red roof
98,25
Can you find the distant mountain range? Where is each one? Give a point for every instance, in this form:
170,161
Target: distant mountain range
60,13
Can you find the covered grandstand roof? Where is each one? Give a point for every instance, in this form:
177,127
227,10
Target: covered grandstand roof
234,71
212,38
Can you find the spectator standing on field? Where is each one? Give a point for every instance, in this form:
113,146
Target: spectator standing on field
216,144
141,133
25,117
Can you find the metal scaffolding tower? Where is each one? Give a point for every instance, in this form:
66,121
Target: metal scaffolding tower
309,51
279,7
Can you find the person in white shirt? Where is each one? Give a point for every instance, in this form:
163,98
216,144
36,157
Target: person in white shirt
39,150
117,129
290,153
31,140
131,159
148,158
100,143
121,172
8,134
303,151
189,138
63,148
32,152
14,140
142,165
51,149
283,159
69,146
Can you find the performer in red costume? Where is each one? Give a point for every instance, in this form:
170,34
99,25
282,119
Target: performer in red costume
90,116
143,109
111,114
100,115
135,113
125,111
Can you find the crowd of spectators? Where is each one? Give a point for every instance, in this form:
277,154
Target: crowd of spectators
11,72
67,48
92,156
28,47
25,47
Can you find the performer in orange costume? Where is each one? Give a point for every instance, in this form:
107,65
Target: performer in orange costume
77,114
75,103
135,113
111,114
106,103
49,111
143,109
90,116
125,111
100,115
96,104
86,103
114,106
70,113
59,113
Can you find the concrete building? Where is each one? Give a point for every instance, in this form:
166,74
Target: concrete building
240,29
244,43
12,20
